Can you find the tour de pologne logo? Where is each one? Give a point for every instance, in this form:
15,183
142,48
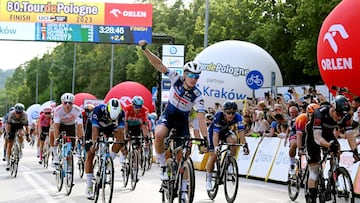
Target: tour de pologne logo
332,32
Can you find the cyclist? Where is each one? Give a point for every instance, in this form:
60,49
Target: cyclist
4,131
220,129
320,133
45,121
294,112
86,113
68,118
136,120
183,96
107,119
17,119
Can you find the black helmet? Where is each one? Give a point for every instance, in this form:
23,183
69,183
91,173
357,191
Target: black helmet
341,104
19,107
230,105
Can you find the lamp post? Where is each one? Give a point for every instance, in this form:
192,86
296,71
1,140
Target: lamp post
74,65
206,33
112,66
37,87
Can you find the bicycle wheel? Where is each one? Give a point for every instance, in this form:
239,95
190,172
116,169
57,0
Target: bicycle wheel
343,190
69,175
186,183
321,188
97,177
81,166
59,176
46,154
14,163
142,161
149,157
134,168
293,183
216,180
125,171
231,180
167,186
108,180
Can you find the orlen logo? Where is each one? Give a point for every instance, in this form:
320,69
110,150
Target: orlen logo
136,14
331,33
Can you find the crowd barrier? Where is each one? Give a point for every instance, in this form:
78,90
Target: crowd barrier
269,160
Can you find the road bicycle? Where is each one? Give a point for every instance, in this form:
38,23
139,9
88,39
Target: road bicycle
146,155
15,155
130,168
65,168
225,172
81,157
299,179
180,169
337,186
103,166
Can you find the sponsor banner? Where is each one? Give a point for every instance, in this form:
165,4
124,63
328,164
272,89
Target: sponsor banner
264,157
279,170
165,84
173,61
15,31
164,96
136,15
244,161
52,11
173,50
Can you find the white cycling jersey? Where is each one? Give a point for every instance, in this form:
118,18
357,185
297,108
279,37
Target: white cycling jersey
71,118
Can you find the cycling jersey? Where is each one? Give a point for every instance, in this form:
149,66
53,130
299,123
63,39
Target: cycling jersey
134,119
16,123
180,103
322,121
223,127
100,119
74,116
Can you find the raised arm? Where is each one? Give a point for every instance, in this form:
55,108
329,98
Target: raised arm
153,59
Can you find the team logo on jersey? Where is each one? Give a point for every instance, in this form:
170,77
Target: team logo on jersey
317,122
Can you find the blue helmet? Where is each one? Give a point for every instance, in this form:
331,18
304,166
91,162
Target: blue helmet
137,100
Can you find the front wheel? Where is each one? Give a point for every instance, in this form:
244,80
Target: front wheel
69,173
231,180
81,167
343,187
186,183
97,177
108,180
134,168
293,184
215,179
14,163
59,177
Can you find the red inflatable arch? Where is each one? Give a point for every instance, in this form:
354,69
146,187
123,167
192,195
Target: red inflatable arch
80,97
126,90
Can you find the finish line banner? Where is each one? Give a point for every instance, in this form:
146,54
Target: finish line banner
77,21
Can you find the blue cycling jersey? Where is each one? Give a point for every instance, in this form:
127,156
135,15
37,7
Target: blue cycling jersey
100,119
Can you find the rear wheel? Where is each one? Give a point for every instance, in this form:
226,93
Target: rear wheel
108,180
343,187
231,180
143,161
59,177
81,166
69,173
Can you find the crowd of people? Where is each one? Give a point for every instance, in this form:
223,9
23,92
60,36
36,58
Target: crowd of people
306,120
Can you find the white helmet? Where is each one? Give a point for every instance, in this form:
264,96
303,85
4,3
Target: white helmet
192,67
113,108
67,97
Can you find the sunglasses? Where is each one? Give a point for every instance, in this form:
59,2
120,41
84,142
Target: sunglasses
230,112
18,112
137,106
68,103
193,75
339,114
47,113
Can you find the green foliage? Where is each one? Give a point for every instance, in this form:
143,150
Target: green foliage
288,30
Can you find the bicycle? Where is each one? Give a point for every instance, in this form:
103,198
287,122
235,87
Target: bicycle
180,169
65,168
338,185
226,172
81,158
46,150
103,169
146,155
131,166
299,179
15,156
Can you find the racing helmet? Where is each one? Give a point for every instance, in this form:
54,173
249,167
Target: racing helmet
312,107
19,107
230,105
113,108
341,105
67,97
137,101
47,109
88,108
192,67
